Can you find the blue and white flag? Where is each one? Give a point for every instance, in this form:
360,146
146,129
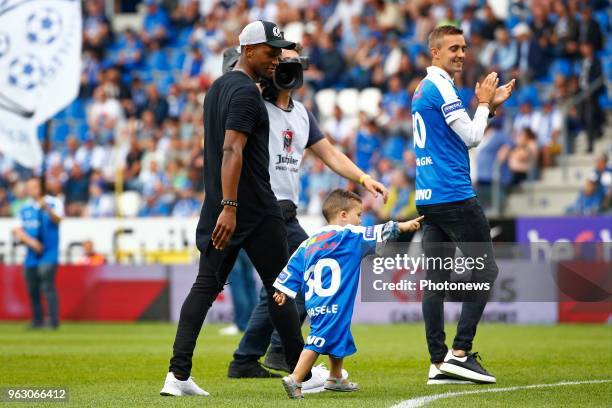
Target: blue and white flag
40,67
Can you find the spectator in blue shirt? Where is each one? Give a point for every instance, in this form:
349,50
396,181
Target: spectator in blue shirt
367,144
488,151
158,204
328,64
589,200
38,229
156,23
90,73
187,204
396,98
192,66
97,32
76,191
130,54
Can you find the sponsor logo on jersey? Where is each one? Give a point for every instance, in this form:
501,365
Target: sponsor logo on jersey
369,232
280,159
450,107
423,194
288,140
283,276
424,161
317,341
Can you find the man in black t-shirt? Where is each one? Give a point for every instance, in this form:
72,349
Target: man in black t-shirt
240,209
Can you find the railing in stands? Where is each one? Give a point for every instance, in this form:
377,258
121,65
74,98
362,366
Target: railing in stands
563,160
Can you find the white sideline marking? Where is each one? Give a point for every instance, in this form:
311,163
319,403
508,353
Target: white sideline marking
421,401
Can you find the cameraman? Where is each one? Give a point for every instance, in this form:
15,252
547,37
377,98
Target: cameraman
293,129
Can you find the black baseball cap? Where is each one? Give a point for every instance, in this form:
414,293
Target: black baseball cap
264,32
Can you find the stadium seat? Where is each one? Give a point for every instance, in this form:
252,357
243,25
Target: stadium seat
603,19
393,148
348,100
182,38
157,61
512,102
177,58
163,83
414,49
466,94
369,101
326,100
605,101
606,64
294,31
145,75
561,66
61,114
511,21
80,130
41,130
529,93
128,204
61,130
76,110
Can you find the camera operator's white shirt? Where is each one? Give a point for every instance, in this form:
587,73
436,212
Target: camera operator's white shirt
291,133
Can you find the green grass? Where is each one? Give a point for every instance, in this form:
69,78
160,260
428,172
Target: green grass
125,364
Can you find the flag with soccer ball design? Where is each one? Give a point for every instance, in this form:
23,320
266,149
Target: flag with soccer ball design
40,66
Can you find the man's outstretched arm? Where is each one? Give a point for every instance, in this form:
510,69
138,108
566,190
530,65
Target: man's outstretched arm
343,166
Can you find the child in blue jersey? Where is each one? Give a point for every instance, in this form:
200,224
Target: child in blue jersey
326,268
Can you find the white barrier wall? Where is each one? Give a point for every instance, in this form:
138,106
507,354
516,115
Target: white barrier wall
136,235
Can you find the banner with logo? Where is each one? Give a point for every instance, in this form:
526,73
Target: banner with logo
40,66
544,233
564,229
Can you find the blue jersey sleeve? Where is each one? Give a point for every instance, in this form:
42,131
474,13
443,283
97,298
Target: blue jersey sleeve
368,237
290,280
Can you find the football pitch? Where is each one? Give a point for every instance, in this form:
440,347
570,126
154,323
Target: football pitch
124,365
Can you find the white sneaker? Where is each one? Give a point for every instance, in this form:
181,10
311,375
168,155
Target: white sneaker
437,377
177,388
316,384
231,330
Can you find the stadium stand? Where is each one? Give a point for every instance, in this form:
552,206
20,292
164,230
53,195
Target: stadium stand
137,122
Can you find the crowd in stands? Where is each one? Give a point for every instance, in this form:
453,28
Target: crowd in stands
137,124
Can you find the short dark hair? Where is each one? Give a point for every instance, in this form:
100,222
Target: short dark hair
337,201
438,33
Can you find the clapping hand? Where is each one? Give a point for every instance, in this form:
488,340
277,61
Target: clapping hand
502,93
485,92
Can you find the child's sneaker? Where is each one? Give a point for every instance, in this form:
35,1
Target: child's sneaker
293,389
340,384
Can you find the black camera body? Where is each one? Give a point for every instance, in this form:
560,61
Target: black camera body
289,73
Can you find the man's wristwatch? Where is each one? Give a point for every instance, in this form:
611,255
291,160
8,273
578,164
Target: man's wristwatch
231,203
